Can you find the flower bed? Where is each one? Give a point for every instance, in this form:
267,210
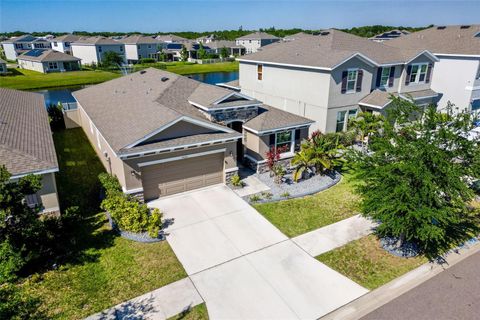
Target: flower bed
134,236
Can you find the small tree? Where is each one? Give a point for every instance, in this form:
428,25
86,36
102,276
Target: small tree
303,162
184,53
365,125
201,52
55,115
111,59
224,53
414,180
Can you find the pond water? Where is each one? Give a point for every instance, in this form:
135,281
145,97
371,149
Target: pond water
64,94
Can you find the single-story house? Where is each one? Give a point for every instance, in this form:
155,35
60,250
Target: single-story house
3,66
161,133
46,61
26,144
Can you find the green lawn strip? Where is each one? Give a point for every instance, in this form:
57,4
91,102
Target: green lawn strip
29,80
366,263
198,312
191,68
108,269
298,216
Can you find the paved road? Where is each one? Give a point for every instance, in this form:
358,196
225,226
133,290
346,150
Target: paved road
452,294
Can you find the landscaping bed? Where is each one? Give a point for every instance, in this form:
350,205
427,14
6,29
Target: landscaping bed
105,269
298,216
367,263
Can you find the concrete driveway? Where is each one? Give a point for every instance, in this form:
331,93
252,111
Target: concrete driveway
243,266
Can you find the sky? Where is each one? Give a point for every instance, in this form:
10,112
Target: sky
195,15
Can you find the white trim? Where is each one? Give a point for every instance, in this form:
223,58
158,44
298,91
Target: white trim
472,88
254,160
187,156
204,124
284,64
224,108
357,54
278,129
231,169
198,144
428,53
222,84
457,55
235,93
405,97
373,106
18,176
137,190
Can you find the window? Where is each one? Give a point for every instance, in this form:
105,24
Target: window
52,65
476,105
149,46
67,44
138,46
418,73
259,72
99,48
352,80
284,140
55,44
121,49
342,119
385,76
32,200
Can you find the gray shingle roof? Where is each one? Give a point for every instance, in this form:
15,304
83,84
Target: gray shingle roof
380,99
48,55
66,38
96,40
257,36
170,37
218,44
139,39
446,40
26,144
24,38
329,50
271,118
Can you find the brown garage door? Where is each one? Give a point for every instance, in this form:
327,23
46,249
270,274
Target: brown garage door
182,175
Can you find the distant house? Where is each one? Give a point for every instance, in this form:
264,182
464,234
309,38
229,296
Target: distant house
17,45
254,41
26,144
296,36
3,66
47,60
171,38
63,43
233,49
389,35
206,39
92,49
138,47
457,73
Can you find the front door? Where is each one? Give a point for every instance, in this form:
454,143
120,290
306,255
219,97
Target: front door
238,126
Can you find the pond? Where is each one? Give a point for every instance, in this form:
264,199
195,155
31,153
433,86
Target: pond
64,94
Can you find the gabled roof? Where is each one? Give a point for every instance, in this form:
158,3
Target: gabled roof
131,108
95,41
452,40
26,144
170,37
139,39
388,35
66,38
272,119
218,44
330,49
24,38
210,97
257,36
48,55
379,99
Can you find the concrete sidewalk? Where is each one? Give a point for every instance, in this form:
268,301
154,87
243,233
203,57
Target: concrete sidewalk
334,235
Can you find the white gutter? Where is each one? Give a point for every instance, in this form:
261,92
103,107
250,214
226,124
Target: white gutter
277,129
40,172
285,65
187,156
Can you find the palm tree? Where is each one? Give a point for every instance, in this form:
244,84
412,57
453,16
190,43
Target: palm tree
303,162
326,152
365,125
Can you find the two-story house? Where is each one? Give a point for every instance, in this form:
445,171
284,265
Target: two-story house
254,41
138,47
18,45
457,73
91,50
329,77
63,43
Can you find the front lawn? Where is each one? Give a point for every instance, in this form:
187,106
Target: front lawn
198,312
366,263
298,216
190,68
28,80
106,269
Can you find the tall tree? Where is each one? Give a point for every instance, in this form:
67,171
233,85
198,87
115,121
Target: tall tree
111,59
414,180
201,52
184,53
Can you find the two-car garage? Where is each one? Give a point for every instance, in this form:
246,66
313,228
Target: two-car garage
179,174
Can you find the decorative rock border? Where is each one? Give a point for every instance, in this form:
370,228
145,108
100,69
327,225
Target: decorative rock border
335,178
138,237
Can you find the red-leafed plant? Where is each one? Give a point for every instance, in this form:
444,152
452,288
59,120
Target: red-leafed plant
273,156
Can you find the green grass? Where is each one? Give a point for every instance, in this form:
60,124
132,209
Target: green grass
198,312
366,263
298,216
190,68
107,269
29,80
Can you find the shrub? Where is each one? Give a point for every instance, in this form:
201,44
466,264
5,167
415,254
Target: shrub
10,262
110,183
285,195
55,116
267,195
279,171
147,60
236,181
255,198
16,303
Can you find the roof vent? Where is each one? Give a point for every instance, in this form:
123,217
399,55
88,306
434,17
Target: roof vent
441,27
164,79
464,27
143,71
324,33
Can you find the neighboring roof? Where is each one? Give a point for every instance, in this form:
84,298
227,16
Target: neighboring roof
218,44
139,39
170,37
234,84
297,35
271,118
130,108
66,38
257,36
210,97
24,38
418,95
380,99
388,35
95,41
442,40
46,55
330,49
26,144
